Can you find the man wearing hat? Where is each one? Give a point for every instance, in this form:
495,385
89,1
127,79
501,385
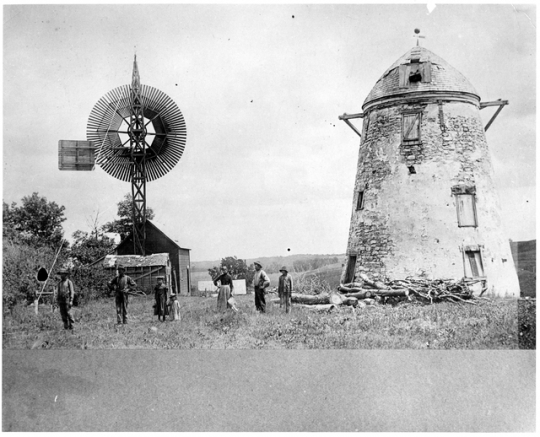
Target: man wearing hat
65,293
120,284
285,287
260,282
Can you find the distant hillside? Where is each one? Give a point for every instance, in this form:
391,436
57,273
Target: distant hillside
199,266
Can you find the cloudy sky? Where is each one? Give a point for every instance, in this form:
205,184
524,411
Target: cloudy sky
268,167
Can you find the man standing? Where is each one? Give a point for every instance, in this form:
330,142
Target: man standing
285,287
120,284
65,293
260,282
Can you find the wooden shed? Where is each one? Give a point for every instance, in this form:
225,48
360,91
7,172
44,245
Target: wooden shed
158,241
142,269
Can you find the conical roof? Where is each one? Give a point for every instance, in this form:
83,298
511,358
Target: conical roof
444,78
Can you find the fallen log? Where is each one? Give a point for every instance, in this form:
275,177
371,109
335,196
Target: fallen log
374,284
350,301
335,298
360,294
392,293
352,285
327,307
345,289
320,299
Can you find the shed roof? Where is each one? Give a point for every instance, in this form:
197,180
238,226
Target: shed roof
159,229
444,77
170,232
157,259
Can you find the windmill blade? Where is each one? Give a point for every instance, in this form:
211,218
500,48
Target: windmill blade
110,118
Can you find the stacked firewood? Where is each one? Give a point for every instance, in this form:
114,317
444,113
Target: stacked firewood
423,290
368,292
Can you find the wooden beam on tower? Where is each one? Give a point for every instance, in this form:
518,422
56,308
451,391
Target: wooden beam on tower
500,103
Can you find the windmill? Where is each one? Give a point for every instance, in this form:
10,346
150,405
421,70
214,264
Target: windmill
137,134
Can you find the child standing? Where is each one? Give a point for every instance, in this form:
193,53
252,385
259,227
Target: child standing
175,307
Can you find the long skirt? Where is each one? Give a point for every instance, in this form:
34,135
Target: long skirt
223,297
161,305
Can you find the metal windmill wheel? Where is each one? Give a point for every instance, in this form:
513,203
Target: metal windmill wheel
137,134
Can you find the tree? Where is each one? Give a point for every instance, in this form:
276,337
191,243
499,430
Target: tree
33,235
88,248
124,224
238,269
36,222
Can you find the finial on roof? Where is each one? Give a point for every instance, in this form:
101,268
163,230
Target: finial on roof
417,36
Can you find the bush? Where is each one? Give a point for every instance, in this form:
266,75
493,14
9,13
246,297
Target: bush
311,284
20,265
90,283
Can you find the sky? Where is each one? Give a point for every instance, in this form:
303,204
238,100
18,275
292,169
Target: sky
268,168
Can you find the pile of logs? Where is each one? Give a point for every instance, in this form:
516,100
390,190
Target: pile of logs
423,290
367,292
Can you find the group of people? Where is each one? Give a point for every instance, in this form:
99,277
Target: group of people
166,303
261,282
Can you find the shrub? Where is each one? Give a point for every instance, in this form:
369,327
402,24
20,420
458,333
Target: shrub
311,284
90,283
20,265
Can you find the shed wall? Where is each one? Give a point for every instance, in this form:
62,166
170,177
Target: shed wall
145,277
158,242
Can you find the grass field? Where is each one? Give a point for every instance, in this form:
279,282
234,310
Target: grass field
488,325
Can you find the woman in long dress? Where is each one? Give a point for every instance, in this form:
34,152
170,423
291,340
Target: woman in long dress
225,290
160,293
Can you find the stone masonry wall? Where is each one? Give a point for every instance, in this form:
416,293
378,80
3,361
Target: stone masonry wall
409,221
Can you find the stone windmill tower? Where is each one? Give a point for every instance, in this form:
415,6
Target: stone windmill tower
424,199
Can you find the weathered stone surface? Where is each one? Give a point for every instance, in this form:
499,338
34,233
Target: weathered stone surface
408,224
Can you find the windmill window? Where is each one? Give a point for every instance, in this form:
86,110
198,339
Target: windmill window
466,210
414,72
360,201
473,264
410,132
